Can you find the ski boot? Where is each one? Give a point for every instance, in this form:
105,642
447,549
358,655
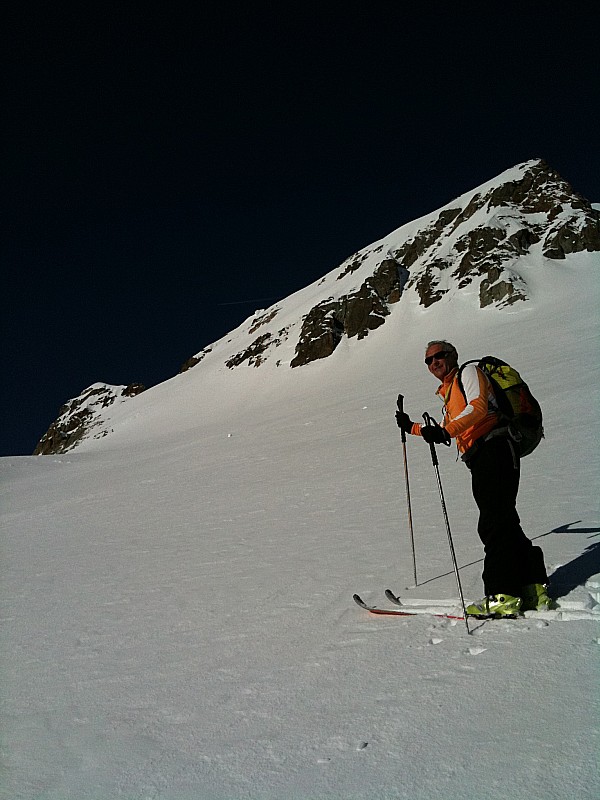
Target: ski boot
496,605
535,598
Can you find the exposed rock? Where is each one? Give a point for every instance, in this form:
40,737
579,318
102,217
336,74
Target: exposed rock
426,283
321,333
481,248
500,289
474,204
264,319
573,236
416,247
541,205
478,240
495,293
256,353
388,280
522,240
63,434
79,416
133,389
540,190
193,360
355,262
354,314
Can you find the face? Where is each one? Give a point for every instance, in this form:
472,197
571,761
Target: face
443,361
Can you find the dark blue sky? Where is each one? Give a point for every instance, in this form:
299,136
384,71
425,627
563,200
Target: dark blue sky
166,170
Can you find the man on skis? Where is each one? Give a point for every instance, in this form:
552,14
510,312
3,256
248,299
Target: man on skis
514,575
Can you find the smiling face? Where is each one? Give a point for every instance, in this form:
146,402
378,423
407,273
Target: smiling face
440,360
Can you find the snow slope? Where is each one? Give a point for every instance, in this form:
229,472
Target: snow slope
177,615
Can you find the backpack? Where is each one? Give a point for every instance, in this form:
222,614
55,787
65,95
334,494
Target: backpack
519,411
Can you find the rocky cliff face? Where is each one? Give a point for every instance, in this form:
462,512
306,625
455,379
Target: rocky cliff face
83,416
479,246
353,314
480,239
496,227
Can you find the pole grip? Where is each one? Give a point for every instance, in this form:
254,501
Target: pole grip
400,404
429,423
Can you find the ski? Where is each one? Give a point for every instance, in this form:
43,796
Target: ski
567,610
393,598
396,612
397,601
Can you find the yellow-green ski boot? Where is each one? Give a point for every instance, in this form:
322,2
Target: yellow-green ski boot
496,605
536,598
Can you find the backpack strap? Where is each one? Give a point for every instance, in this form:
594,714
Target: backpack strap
504,409
458,376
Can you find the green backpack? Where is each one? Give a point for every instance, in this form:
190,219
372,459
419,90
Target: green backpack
519,411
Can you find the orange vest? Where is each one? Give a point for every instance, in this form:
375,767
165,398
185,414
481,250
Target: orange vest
466,421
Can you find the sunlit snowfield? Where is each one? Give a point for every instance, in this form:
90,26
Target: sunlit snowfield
177,615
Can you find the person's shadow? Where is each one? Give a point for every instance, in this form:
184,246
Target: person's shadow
569,576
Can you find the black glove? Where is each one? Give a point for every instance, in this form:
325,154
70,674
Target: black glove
434,434
404,422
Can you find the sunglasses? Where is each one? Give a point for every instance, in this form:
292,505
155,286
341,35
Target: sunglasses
440,354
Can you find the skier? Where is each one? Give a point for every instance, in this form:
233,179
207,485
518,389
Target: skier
514,575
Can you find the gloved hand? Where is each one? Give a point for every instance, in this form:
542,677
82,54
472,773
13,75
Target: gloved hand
404,422
434,434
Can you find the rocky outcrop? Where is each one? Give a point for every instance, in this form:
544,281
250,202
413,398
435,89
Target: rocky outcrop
418,245
495,289
478,242
572,225
322,331
427,282
263,319
540,190
79,416
193,360
573,235
189,363
515,216
256,353
354,314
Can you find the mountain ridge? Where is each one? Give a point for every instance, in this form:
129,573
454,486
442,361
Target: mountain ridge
480,246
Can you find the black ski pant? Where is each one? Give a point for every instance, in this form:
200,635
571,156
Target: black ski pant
511,560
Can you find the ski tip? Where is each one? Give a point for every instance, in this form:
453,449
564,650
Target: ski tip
392,597
359,601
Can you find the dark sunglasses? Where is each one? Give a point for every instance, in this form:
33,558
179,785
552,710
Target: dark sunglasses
440,354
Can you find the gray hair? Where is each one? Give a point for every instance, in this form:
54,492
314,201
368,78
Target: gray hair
443,343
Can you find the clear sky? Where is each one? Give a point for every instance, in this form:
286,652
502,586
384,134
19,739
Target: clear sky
169,169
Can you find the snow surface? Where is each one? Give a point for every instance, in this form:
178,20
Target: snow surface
177,615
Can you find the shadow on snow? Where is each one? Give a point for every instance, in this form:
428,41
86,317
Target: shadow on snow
568,576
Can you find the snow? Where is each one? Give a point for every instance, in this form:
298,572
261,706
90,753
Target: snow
177,615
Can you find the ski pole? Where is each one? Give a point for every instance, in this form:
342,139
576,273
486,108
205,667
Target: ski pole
429,422
406,481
